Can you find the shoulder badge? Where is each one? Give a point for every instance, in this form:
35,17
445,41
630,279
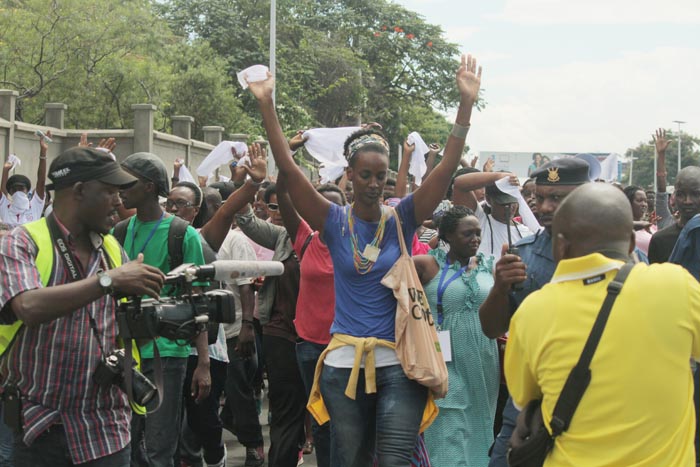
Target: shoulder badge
553,174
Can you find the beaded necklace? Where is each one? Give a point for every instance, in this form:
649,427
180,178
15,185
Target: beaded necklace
363,265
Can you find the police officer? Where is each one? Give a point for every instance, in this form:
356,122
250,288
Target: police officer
532,269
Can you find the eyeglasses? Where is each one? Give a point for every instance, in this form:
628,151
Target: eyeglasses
180,203
273,206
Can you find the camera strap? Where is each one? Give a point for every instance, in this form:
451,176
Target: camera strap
157,372
71,264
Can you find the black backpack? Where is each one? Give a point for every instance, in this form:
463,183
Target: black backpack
176,238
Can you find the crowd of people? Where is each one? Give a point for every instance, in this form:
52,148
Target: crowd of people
514,277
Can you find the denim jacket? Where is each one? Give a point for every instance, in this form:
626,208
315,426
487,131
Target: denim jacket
274,238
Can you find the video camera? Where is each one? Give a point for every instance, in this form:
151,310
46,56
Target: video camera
187,314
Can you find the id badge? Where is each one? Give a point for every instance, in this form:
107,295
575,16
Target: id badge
445,345
371,253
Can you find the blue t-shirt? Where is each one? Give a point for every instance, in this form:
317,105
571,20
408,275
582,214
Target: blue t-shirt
363,306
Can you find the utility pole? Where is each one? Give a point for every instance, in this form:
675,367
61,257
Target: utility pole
679,122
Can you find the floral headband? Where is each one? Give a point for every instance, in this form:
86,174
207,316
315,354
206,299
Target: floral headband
364,141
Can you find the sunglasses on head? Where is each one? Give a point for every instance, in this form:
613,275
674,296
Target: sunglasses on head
273,206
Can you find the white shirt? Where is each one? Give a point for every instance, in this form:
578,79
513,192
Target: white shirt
494,233
13,219
236,247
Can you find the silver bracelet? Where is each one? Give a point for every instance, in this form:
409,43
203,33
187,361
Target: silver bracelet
459,131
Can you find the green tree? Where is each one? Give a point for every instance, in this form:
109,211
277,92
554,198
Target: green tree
338,61
97,56
201,90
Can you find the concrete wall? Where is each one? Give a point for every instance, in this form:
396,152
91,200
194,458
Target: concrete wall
19,138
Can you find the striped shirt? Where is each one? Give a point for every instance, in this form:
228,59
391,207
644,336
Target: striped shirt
52,364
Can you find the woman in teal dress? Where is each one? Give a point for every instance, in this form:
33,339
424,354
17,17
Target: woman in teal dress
456,283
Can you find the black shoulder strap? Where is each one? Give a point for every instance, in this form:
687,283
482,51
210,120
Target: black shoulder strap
120,231
305,245
176,238
580,375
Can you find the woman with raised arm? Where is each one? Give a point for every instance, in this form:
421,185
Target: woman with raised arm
380,410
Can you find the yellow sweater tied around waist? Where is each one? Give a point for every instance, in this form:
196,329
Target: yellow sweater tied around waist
363,346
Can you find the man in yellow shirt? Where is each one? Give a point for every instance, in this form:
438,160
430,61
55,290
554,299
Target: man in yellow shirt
638,408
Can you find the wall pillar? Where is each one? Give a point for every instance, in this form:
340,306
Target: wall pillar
55,114
143,127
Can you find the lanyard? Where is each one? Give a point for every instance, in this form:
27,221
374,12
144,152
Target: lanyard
442,286
150,236
69,262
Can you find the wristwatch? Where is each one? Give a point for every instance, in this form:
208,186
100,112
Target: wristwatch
105,282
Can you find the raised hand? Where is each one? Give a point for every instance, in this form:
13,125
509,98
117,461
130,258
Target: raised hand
43,145
107,144
7,166
488,166
177,164
468,79
83,143
660,141
408,148
263,89
297,140
258,163
434,147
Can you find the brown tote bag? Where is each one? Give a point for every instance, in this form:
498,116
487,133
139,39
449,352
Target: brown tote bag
417,344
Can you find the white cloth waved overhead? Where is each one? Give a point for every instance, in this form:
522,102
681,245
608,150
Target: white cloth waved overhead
252,74
185,174
220,155
14,160
418,166
524,210
326,146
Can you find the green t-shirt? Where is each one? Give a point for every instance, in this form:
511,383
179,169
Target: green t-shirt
155,253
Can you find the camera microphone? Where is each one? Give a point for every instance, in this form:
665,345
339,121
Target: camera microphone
227,270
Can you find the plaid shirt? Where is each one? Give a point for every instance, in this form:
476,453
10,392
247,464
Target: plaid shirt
52,364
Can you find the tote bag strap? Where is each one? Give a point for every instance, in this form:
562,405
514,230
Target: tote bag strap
399,231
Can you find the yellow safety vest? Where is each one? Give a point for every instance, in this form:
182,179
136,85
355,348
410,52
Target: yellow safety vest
39,231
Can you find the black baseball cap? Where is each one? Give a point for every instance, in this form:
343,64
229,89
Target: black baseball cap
496,196
80,164
151,167
564,171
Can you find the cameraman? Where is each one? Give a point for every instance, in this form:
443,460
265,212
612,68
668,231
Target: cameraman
62,295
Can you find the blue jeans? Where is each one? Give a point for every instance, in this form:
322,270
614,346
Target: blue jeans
50,449
307,357
500,446
157,433
386,422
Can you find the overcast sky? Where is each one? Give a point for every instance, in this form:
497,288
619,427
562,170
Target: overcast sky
574,75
